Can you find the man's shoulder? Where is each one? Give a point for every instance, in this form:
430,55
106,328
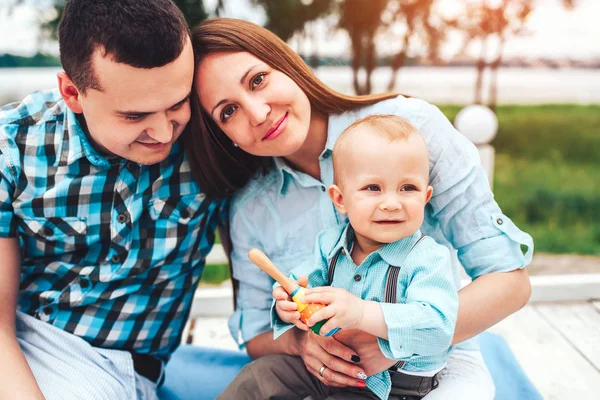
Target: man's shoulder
38,107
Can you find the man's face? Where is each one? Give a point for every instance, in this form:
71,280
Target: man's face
139,113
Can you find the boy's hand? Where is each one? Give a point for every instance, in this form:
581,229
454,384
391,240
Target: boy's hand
343,309
286,309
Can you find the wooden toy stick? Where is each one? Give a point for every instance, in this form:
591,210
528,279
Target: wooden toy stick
263,262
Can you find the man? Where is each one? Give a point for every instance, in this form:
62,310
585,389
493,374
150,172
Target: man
103,231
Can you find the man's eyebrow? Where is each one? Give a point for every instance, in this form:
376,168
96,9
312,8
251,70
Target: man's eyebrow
241,83
145,113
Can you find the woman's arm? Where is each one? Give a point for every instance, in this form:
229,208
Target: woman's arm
484,302
489,244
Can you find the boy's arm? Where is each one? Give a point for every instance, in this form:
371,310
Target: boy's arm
16,379
425,323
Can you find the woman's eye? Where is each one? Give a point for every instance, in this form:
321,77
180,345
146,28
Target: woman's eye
372,188
227,112
257,80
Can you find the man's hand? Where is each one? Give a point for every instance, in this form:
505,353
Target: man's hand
342,309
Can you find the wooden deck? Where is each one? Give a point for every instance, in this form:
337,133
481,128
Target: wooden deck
557,344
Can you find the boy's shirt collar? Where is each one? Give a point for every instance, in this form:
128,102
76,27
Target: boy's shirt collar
392,253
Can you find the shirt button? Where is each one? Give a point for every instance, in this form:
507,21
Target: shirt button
326,155
84,283
116,258
323,188
122,218
47,310
130,165
48,231
357,278
499,221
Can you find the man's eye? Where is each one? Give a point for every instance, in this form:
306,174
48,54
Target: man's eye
227,112
373,188
257,80
134,117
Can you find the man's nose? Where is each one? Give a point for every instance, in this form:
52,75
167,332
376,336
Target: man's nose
162,129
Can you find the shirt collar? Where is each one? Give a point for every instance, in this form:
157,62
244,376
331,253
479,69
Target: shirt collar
80,144
392,253
336,124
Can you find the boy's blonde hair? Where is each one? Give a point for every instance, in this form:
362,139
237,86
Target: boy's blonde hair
386,126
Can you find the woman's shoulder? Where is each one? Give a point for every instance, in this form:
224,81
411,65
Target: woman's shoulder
413,109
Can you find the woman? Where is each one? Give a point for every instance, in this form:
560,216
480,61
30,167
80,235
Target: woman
264,130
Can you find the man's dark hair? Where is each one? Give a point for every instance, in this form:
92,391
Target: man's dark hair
140,33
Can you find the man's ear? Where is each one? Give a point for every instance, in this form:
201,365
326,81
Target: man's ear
428,194
69,92
335,194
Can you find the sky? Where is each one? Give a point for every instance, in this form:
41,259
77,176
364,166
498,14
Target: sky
555,32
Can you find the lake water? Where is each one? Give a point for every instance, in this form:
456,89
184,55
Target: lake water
435,84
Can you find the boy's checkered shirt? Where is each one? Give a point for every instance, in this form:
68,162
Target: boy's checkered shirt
111,250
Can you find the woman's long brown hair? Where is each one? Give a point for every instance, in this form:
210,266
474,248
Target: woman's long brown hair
220,167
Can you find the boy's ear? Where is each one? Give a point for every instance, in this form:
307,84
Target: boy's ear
335,194
428,194
69,92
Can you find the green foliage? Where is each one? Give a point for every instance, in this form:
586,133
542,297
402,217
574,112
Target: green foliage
215,274
286,17
546,173
38,60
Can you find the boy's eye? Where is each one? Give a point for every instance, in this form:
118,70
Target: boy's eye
408,188
372,188
257,80
227,112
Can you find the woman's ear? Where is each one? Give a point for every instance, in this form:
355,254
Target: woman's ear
335,194
428,194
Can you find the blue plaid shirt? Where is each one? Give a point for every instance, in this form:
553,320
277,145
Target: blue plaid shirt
111,250
421,322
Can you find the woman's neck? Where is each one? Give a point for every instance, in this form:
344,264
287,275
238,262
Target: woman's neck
306,159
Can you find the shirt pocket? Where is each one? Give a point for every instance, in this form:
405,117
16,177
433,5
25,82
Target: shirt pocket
177,209
63,234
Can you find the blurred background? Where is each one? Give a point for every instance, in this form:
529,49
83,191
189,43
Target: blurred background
536,63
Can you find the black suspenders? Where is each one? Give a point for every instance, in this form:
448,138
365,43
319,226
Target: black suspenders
391,285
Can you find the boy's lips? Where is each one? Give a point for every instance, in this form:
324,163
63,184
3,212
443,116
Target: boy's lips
389,222
277,128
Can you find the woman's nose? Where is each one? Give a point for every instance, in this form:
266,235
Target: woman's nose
258,113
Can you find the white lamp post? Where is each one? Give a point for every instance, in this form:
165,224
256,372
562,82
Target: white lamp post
479,124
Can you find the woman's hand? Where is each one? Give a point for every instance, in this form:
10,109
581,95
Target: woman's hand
343,309
365,345
340,361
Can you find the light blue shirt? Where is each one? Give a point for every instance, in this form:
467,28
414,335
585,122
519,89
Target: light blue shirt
282,213
421,322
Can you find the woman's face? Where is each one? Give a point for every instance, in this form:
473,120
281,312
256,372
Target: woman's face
259,108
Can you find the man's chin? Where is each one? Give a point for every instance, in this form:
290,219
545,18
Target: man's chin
151,157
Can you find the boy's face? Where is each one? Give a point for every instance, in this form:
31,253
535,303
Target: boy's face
383,186
139,113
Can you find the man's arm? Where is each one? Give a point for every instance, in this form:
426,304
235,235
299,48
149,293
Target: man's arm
16,379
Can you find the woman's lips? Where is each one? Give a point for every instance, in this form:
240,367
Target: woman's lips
277,128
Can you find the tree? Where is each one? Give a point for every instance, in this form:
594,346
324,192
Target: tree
193,10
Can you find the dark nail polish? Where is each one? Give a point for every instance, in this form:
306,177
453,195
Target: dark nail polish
355,358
